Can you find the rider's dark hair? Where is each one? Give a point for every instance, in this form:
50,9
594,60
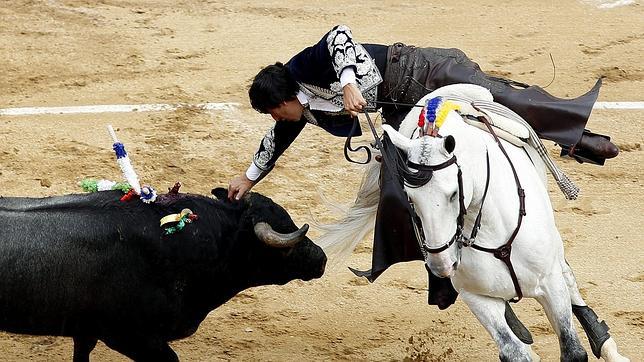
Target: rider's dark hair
272,86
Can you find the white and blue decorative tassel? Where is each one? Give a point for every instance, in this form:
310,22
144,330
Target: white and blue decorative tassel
148,194
124,162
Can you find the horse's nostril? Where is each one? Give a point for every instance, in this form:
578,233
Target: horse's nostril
455,265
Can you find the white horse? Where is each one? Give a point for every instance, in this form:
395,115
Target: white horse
483,281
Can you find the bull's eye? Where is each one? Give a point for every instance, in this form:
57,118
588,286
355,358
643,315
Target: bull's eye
453,197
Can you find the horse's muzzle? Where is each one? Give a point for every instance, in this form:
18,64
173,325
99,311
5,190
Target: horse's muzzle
443,270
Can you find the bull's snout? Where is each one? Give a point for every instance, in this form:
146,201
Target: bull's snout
321,267
315,266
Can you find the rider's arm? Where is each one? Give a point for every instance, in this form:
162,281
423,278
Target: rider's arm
343,53
274,143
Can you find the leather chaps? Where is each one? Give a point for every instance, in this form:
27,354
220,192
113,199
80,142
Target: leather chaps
413,72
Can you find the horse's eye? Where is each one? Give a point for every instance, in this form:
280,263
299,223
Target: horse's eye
453,197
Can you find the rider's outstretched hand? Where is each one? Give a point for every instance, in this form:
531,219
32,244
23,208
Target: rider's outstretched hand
239,186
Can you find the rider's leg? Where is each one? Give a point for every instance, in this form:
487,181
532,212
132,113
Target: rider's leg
413,72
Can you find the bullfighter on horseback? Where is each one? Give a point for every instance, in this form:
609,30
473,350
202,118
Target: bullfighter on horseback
328,83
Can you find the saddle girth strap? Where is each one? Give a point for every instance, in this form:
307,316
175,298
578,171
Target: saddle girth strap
504,251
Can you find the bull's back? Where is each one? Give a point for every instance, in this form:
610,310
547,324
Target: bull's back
74,263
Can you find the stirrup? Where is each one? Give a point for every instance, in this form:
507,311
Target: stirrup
581,155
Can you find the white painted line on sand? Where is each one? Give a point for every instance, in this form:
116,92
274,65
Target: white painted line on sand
114,108
618,105
119,108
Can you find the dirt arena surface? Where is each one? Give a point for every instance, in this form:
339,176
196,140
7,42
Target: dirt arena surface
66,53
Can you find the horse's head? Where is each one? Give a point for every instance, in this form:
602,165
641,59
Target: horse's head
434,186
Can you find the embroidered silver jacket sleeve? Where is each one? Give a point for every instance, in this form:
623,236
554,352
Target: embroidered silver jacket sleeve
266,151
275,142
342,48
347,53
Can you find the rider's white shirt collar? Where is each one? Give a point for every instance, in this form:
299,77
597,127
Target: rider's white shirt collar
317,103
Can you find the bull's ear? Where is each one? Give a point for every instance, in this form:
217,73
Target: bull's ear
220,193
450,144
396,138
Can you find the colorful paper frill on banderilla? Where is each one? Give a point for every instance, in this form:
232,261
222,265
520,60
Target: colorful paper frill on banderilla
146,193
93,185
124,163
186,216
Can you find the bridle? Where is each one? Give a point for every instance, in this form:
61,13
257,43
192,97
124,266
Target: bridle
504,251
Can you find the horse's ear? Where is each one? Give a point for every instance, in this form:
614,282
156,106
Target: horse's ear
397,139
449,144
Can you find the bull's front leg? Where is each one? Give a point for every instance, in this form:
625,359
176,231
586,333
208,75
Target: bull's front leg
83,346
142,348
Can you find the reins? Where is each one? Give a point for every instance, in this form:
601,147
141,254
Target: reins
348,148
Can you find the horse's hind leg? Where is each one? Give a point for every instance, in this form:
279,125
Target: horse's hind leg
491,313
601,343
556,303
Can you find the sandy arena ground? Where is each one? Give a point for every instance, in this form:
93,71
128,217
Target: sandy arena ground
81,52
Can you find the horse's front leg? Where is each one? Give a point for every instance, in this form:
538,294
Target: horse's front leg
555,300
491,313
601,343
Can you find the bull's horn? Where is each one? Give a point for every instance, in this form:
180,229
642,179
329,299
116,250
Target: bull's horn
272,238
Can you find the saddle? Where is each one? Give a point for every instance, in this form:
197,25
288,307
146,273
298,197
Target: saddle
476,101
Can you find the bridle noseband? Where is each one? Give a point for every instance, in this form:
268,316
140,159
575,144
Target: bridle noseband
461,214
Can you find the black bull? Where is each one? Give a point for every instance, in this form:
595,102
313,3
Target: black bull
94,268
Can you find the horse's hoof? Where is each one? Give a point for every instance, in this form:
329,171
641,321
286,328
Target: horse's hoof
609,352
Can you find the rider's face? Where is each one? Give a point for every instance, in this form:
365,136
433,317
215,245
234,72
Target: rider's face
287,111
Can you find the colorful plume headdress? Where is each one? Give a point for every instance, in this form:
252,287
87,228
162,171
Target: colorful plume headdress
433,115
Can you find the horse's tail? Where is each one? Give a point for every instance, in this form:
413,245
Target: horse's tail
341,238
